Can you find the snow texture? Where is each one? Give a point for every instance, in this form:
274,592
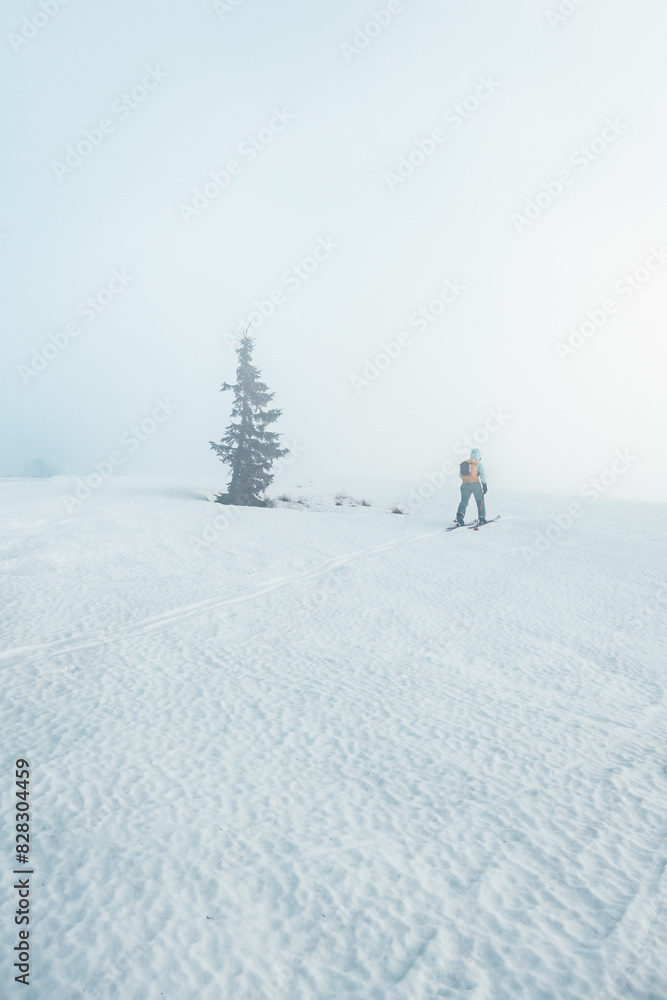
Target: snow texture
335,753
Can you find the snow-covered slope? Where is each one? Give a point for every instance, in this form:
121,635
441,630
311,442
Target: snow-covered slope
333,752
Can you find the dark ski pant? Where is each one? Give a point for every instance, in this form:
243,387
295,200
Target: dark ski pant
475,490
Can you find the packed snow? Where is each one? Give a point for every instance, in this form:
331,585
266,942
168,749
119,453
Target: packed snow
324,751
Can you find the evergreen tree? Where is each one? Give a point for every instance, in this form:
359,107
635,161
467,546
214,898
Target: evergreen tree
248,447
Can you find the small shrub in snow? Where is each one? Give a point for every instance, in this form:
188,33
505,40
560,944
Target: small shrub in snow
345,498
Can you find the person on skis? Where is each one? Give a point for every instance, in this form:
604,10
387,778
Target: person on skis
473,483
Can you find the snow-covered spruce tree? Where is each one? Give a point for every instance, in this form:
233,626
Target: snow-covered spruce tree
248,447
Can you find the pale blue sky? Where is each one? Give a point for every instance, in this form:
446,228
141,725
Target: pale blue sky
324,177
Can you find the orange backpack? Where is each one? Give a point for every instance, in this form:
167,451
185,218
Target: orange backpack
468,471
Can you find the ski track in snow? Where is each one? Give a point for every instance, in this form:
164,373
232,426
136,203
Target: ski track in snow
177,614
404,772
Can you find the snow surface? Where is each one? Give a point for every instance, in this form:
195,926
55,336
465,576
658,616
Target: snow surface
335,752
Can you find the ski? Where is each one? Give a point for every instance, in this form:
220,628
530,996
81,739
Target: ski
476,526
454,526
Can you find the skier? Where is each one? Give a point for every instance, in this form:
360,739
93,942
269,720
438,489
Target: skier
473,484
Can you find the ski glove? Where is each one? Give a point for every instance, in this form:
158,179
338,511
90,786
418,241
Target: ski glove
484,488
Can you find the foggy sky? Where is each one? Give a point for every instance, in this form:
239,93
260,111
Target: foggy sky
373,175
